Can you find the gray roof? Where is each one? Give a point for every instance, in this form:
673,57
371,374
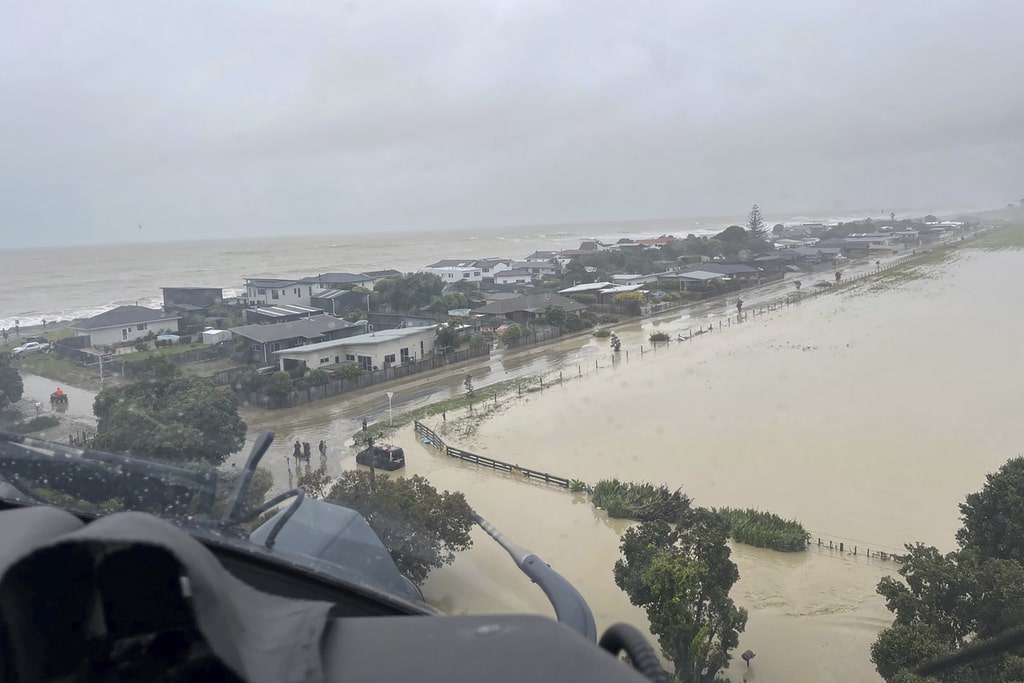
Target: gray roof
286,310
124,315
547,255
532,303
335,279
378,337
378,274
727,268
585,287
514,272
307,328
701,275
454,263
268,282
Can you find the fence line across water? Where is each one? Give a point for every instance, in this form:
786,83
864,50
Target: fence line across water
430,437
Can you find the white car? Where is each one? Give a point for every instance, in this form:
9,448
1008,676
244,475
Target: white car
28,349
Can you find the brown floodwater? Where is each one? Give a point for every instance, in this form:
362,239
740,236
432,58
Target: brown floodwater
867,415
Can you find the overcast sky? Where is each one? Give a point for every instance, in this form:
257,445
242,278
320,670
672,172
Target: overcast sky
240,118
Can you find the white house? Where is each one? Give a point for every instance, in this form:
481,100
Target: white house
450,274
633,279
516,276
270,291
124,324
380,349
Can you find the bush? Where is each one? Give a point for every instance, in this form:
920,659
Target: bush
603,333
607,319
642,502
512,334
578,486
36,424
349,372
765,530
659,337
478,341
585,298
317,377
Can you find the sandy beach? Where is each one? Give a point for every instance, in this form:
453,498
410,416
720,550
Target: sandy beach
867,416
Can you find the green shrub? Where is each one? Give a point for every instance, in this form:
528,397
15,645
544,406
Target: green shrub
577,486
765,530
349,372
642,502
585,298
660,337
603,333
36,424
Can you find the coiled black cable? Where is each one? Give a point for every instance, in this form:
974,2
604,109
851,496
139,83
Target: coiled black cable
625,638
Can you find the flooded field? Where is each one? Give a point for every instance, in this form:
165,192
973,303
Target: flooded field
867,415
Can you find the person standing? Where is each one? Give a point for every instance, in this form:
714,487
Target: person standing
306,451
297,451
322,447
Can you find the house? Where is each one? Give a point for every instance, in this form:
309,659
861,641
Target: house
492,266
282,313
459,272
691,280
515,276
633,279
124,324
371,350
816,254
191,299
266,339
778,262
335,301
377,275
526,308
344,281
585,288
272,291
733,271
542,256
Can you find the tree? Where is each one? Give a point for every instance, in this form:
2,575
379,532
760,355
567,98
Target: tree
947,601
279,385
11,386
447,338
993,523
421,528
410,292
778,229
755,225
631,301
512,334
177,418
555,316
478,342
682,578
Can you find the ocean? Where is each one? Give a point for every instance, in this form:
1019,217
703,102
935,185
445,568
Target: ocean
67,283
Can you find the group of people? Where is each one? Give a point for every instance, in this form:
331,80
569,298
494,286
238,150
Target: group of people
303,452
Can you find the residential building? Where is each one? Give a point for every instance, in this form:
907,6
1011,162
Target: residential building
266,315
457,273
526,308
542,256
690,280
492,266
273,291
266,339
378,275
515,276
124,324
372,350
343,281
607,295
634,279
586,288
733,271
336,301
191,299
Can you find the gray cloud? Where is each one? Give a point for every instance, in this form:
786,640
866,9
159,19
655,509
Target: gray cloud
242,119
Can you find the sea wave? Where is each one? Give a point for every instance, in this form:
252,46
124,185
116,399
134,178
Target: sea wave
36,318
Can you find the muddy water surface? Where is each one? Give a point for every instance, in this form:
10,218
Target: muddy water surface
867,415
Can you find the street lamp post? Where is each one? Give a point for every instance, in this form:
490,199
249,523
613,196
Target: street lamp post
391,395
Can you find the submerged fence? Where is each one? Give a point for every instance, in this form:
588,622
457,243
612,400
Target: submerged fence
431,438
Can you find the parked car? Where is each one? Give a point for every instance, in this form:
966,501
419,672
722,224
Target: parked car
28,349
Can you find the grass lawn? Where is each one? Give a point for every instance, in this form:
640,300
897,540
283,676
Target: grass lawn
54,367
161,352
1009,237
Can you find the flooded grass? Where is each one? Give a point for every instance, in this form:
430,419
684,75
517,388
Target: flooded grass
1008,237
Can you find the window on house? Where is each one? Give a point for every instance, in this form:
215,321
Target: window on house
261,292
142,327
311,291
274,294
124,333
366,363
389,358
325,361
404,354
337,359
276,346
465,275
